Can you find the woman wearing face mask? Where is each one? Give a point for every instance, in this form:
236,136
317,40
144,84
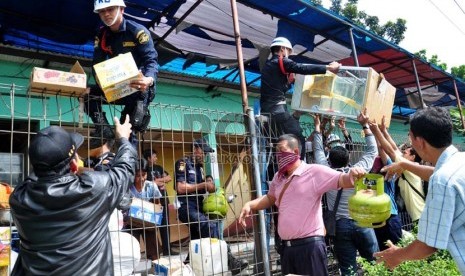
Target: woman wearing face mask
296,190
277,79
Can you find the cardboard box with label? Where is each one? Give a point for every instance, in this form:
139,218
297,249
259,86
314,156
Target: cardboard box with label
346,94
144,213
115,74
50,81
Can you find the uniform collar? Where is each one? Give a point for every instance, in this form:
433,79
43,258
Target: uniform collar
445,155
122,26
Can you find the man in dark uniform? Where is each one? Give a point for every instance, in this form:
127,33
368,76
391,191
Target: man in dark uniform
157,174
277,79
190,187
121,36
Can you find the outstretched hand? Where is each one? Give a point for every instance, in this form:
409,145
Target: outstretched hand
123,130
245,213
389,256
363,117
333,67
393,171
382,127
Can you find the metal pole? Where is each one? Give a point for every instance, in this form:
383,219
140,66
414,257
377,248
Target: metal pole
256,178
459,105
181,19
240,59
354,49
250,124
418,83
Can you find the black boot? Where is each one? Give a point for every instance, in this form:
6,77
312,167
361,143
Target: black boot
236,265
102,127
102,131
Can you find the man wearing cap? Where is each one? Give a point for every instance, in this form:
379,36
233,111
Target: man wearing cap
61,217
190,186
120,36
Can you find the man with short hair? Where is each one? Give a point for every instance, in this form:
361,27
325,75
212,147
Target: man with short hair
349,237
147,191
297,189
61,217
159,176
442,223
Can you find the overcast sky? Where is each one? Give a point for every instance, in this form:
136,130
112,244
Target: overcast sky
438,26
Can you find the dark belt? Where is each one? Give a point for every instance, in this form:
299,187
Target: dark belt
302,241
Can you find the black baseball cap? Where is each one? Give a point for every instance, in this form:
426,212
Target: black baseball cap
53,146
203,144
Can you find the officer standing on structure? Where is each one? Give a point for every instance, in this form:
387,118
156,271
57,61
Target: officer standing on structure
277,79
120,36
191,186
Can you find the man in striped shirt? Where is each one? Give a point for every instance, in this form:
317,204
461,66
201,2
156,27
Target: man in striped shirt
442,223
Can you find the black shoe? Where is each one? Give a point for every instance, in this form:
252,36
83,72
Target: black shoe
237,265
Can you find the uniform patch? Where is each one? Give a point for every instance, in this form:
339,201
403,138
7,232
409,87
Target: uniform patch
143,37
182,166
128,44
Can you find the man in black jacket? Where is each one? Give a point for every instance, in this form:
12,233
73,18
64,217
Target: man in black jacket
277,79
61,217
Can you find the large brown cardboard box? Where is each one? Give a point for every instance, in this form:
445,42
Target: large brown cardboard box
50,81
346,94
115,74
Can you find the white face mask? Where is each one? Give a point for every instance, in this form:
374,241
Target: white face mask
114,19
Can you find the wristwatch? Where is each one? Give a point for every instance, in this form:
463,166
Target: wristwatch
365,127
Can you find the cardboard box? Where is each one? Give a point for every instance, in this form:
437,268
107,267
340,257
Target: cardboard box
345,94
166,266
49,81
144,213
115,74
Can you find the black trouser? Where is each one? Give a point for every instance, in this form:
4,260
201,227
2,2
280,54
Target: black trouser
306,258
391,231
164,225
96,97
285,123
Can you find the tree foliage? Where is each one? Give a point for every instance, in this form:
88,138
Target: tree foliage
433,60
459,71
438,264
392,30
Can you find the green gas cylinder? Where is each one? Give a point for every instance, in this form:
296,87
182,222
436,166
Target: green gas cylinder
215,205
369,206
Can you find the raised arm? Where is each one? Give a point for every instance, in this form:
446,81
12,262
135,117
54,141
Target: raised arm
317,144
368,157
386,134
385,145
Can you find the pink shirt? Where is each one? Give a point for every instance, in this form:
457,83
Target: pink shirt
300,212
